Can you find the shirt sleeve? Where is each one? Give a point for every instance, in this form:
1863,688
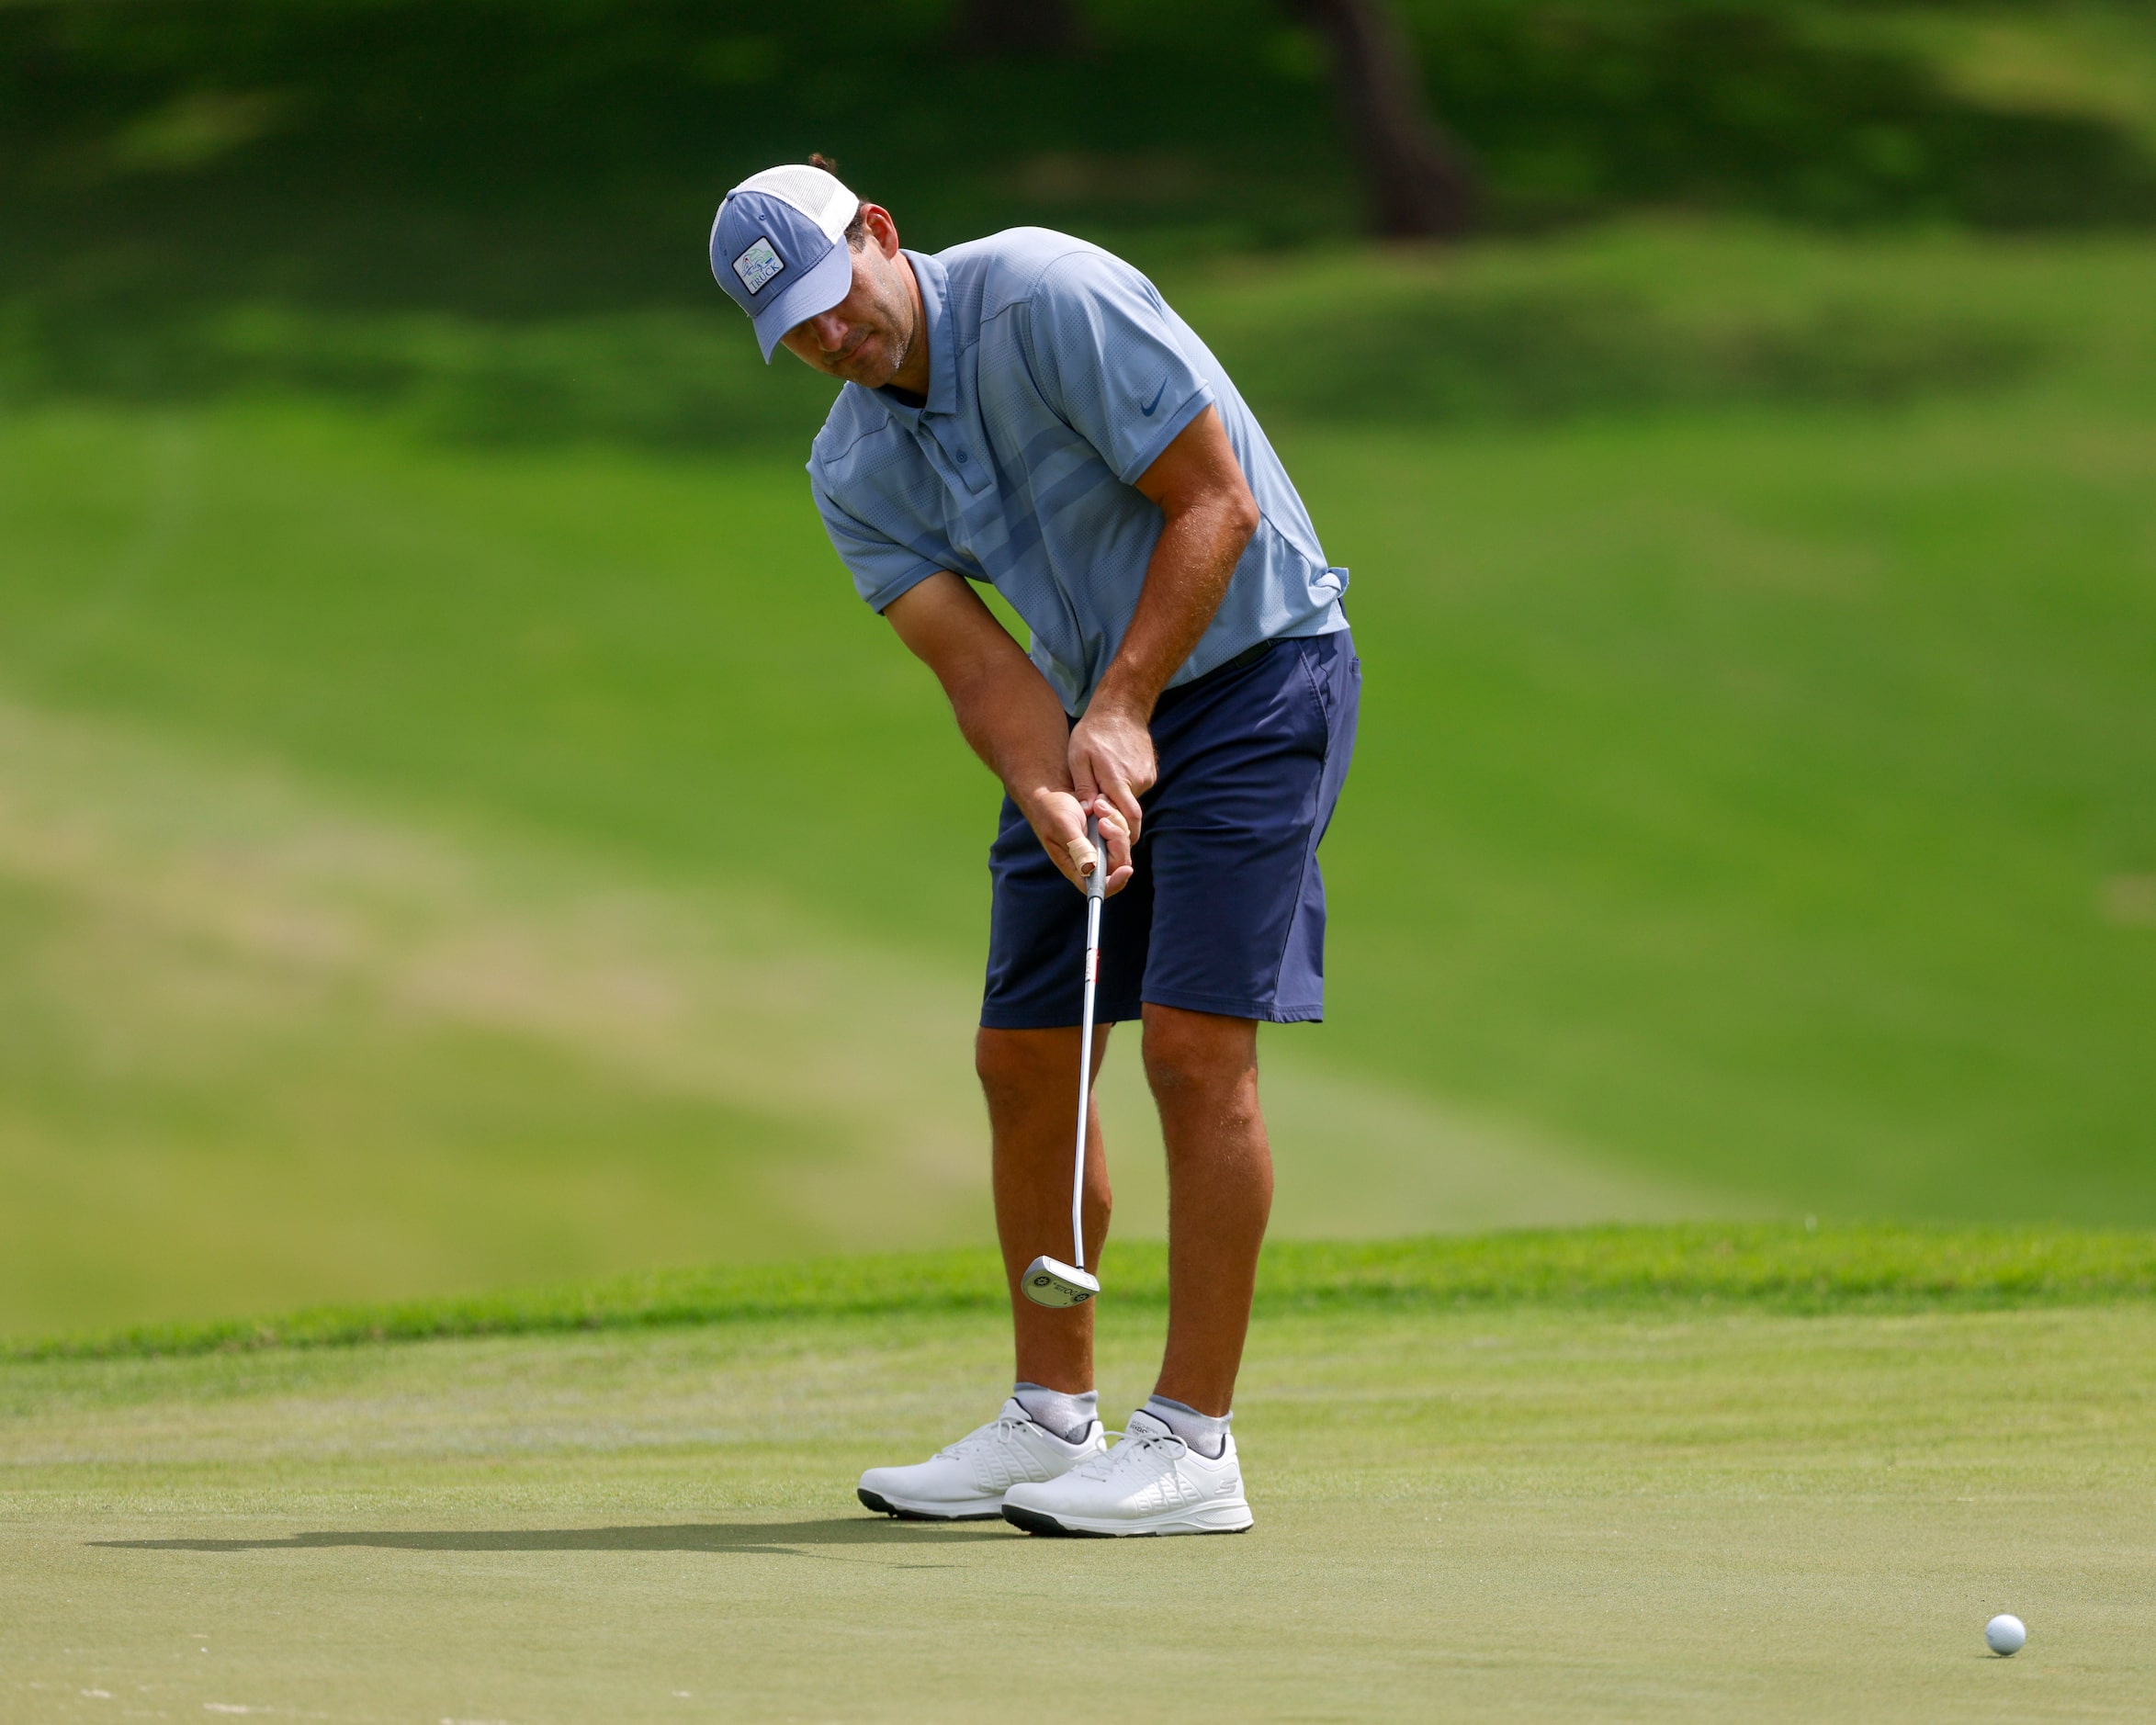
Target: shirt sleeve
1105,357
881,567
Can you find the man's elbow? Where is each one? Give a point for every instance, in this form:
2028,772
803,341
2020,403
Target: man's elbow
1225,513
1240,514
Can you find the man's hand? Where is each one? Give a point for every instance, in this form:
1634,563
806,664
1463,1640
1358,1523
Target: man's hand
1058,819
1112,760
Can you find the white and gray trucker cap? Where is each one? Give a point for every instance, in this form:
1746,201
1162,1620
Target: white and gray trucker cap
778,247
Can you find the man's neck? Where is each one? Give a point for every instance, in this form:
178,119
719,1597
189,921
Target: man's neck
913,376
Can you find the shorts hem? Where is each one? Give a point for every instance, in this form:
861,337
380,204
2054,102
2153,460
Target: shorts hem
1222,1006
1017,1019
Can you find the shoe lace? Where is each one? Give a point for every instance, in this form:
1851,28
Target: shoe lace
1001,1429
1127,1449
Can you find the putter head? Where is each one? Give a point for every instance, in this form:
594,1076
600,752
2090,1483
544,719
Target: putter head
1049,1282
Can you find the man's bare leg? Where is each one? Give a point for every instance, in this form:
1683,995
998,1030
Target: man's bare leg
1029,1079
1203,1071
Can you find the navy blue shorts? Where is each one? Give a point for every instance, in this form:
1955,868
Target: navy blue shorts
1227,911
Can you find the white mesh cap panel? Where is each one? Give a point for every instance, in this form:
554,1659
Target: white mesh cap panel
816,195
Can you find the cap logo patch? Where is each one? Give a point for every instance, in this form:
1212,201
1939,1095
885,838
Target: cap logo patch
757,265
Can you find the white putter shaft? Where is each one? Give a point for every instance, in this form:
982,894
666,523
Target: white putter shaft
1049,1282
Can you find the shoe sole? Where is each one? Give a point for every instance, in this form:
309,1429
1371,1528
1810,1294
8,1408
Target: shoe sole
905,1512
1039,1522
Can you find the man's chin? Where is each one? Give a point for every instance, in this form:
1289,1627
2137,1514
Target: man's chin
876,373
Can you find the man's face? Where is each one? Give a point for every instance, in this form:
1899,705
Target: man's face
866,337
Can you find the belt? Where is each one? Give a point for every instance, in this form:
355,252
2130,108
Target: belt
1243,660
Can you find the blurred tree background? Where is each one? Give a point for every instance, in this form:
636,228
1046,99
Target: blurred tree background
509,160
163,162
456,825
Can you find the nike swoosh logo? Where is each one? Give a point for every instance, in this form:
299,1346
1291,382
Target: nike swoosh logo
1148,409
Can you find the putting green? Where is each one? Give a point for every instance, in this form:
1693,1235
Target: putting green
1544,1512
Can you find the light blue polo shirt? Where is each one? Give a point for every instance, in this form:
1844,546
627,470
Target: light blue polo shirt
1056,376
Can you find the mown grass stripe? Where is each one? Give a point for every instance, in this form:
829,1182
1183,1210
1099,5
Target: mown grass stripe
1780,1266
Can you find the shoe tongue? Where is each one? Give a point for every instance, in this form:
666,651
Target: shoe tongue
1145,1424
1015,1409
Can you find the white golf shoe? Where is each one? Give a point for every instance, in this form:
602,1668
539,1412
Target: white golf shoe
1150,1482
966,1480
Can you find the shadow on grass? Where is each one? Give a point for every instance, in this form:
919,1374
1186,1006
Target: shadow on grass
779,1538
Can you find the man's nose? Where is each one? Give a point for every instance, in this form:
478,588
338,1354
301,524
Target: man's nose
830,331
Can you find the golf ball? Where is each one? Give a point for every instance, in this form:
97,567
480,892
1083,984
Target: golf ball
2003,1635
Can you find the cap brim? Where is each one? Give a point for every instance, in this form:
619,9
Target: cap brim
830,281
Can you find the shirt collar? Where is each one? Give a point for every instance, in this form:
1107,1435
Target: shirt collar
935,316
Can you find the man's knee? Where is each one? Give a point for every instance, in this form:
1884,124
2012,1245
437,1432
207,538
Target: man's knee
1016,1067
1191,1054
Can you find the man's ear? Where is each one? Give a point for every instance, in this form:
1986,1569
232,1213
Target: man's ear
881,230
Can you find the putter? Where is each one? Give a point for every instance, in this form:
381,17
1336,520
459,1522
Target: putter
1049,1282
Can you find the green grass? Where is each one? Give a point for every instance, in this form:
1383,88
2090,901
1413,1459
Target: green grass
1772,1267
426,868
1648,315
1549,1511
2095,57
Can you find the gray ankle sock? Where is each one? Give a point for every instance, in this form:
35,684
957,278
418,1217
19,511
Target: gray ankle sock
1070,1417
1203,1432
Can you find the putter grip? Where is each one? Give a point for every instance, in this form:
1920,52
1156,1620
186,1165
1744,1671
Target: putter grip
1097,882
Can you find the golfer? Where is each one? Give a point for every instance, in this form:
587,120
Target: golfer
1025,412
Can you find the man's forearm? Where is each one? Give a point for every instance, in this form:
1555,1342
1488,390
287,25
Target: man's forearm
1014,723
1207,516
1192,563
1010,717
